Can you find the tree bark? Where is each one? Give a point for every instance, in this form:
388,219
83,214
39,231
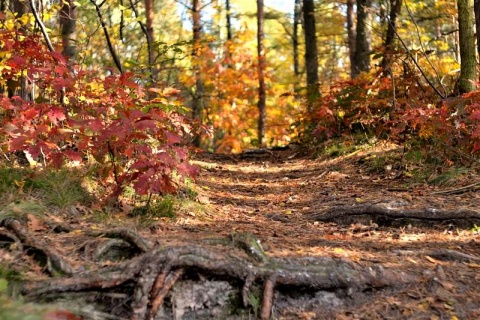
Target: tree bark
466,20
68,18
150,16
111,48
262,96
228,18
362,41
476,8
296,22
351,34
395,8
197,103
311,55
20,86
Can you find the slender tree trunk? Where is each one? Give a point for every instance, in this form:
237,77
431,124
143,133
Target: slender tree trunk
362,41
351,34
395,8
466,20
111,48
262,96
296,22
19,86
150,16
229,22
477,24
197,103
19,6
68,20
311,55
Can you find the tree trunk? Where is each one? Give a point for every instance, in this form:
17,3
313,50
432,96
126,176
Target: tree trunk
197,103
19,86
68,18
311,55
262,96
362,41
296,22
395,8
466,21
477,23
351,34
150,16
229,22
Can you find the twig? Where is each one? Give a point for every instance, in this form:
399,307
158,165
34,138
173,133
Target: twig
42,26
107,36
458,190
418,66
423,48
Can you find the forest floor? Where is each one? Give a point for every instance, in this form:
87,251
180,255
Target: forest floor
280,196
359,207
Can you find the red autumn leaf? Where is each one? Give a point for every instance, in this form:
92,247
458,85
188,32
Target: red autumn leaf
186,169
31,113
59,57
17,143
17,62
60,83
56,114
6,103
95,125
73,155
173,138
142,185
145,124
61,70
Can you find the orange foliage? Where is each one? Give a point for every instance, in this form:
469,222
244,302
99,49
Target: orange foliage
231,85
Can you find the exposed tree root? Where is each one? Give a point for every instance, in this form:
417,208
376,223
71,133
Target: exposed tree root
149,278
129,236
55,263
396,213
325,273
159,297
8,238
268,297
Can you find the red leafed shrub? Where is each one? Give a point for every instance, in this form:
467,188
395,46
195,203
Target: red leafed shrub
407,109
75,113
370,104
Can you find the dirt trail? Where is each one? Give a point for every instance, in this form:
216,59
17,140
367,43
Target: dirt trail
277,196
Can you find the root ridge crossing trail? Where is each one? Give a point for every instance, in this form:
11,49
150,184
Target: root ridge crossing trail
278,237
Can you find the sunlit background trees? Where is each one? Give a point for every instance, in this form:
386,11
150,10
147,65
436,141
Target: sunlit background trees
322,67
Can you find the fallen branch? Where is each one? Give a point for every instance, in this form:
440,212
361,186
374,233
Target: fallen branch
390,212
472,186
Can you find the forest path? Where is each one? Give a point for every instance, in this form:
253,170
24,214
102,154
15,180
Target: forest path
278,197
